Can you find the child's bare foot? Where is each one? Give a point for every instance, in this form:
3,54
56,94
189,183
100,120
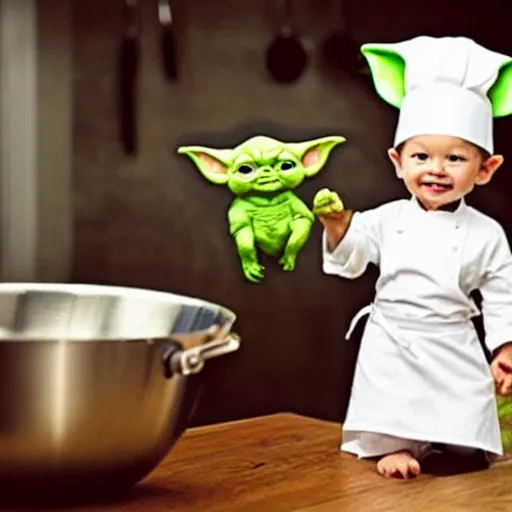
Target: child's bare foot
399,464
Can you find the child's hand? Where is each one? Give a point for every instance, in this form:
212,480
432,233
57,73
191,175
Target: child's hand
501,368
329,209
327,204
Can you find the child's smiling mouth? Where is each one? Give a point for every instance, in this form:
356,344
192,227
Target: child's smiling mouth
436,186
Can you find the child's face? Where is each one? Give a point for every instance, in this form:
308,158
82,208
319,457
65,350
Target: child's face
439,169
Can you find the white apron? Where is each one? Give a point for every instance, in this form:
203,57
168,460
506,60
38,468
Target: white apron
426,380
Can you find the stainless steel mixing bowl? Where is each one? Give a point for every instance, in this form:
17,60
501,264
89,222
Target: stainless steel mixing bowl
97,383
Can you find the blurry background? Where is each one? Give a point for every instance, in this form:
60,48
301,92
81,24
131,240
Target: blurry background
76,207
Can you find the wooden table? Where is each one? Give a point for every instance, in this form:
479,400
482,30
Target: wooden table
290,463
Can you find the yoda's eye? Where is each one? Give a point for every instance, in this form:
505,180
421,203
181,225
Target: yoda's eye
287,165
245,169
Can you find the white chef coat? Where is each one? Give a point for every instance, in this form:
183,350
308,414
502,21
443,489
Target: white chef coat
421,372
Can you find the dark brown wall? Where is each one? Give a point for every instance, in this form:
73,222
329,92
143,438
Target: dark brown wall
154,221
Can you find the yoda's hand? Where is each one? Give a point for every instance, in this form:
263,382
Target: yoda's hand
287,261
253,271
327,203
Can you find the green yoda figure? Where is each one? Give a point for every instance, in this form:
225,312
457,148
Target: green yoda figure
267,215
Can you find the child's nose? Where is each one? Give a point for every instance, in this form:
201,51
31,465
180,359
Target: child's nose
437,167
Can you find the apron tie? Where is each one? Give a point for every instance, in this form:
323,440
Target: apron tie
362,312
380,319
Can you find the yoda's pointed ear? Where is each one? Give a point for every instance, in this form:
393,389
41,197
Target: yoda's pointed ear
213,163
387,68
314,153
500,93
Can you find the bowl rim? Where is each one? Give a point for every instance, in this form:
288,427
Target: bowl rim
85,289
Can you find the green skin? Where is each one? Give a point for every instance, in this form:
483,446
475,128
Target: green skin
266,214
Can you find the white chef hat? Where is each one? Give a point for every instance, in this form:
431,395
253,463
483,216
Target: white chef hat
442,86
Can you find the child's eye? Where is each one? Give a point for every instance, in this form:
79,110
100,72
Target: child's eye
456,158
422,157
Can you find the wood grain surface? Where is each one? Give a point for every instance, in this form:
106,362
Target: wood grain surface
289,463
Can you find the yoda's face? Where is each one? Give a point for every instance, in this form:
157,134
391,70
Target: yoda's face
262,165
273,169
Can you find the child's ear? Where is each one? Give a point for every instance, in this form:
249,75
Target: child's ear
394,156
489,167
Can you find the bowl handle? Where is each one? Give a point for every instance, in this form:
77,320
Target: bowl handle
191,360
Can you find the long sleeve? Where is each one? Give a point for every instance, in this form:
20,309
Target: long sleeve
358,248
496,290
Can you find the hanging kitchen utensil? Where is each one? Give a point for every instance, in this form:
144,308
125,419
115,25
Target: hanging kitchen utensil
340,50
286,57
127,76
168,46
